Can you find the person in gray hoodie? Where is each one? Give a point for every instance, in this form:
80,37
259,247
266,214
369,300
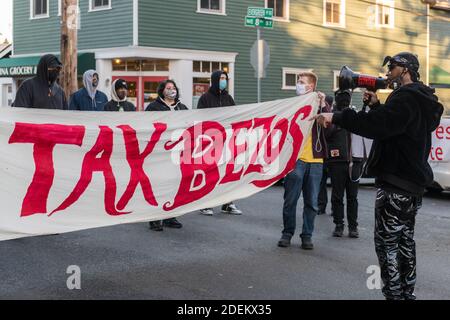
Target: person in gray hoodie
89,98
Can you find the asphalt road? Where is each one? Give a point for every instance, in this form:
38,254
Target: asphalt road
222,257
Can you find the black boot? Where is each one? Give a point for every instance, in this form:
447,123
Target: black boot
284,242
307,244
338,230
156,225
353,232
172,223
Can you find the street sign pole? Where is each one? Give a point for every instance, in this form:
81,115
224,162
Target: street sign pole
260,53
258,74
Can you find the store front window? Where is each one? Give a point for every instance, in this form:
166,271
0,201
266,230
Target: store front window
143,77
150,91
144,65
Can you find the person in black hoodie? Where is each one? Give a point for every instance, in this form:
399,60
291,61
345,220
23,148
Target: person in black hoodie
43,91
217,97
344,171
118,102
401,129
168,100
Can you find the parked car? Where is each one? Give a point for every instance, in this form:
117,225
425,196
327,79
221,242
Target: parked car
441,171
440,156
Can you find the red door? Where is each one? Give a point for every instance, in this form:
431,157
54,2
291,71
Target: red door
141,90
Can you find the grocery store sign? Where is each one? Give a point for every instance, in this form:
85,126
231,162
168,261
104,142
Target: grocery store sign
18,71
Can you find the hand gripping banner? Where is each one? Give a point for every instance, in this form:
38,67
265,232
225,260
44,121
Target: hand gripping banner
62,171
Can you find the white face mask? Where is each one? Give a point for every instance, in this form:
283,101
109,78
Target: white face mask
301,89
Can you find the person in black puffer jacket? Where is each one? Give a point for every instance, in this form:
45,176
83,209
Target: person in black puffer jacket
217,97
401,129
168,100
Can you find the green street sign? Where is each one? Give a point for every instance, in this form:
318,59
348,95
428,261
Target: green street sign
254,12
258,22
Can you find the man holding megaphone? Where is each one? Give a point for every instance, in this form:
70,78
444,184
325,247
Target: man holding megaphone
401,129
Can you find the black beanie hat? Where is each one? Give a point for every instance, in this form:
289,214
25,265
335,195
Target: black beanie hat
120,83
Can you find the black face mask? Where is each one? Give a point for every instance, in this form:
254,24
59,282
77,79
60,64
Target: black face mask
53,75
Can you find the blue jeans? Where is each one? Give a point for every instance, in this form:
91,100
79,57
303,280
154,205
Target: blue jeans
306,177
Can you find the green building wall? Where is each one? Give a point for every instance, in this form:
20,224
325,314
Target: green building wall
440,53
301,43
99,29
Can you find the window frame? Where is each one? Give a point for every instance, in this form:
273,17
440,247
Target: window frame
286,14
221,12
342,14
390,4
40,16
102,8
296,71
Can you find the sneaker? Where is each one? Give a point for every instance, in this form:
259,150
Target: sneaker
307,244
338,230
284,242
156,225
353,232
207,211
172,223
231,209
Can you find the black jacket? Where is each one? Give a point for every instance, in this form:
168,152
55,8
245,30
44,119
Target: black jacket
38,93
160,105
401,130
215,98
114,106
339,142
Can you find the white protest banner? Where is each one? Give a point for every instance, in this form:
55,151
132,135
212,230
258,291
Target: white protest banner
440,149
62,171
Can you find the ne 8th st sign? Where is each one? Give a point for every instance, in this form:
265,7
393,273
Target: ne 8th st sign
259,17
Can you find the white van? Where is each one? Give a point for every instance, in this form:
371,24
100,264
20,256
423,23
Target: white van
440,156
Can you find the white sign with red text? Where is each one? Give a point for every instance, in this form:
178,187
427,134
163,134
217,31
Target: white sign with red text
440,149
63,171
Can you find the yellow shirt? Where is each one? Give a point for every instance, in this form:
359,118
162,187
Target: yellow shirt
307,154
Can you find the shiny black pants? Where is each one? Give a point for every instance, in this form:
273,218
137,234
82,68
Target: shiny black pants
394,243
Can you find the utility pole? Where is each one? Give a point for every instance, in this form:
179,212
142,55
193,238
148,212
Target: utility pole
69,42
428,4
